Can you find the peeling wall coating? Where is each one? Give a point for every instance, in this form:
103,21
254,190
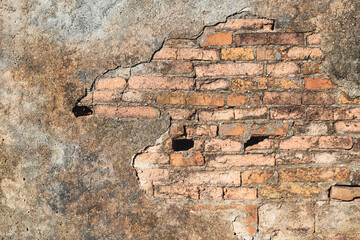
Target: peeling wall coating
68,177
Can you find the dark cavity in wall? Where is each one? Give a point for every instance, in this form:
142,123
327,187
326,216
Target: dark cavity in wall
254,140
182,144
80,111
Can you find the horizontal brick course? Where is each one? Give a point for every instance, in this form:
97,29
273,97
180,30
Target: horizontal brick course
269,39
229,69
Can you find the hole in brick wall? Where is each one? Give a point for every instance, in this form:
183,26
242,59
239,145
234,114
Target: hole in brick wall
80,111
254,140
182,144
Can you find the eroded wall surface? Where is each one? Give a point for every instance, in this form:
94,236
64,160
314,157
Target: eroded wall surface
69,177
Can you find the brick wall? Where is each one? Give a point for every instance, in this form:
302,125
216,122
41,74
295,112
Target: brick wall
256,129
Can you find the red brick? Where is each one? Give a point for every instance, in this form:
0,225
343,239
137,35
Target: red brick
106,96
347,127
201,131
318,98
318,83
173,98
117,83
228,69
256,176
346,113
287,113
205,99
270,128
232,129
334,142
147,159
243,99
153,174
229,161
216,115
345,193
264,53
181,114
213,178
301,53
212,85
240,193
309,68
166,53
314,174
283,68
251,113
320,113
210,193
237,54
223,145
166,83
297,142
180,160
198,54
269,38
127,112
217,39
282,98
246,24
176,192
314,39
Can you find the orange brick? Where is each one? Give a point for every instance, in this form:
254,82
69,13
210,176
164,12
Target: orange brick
246,24
198,54
210,193
283,68
137,112
216,115
106,96
297,142
269,38
344,193
264,53
314,174
176,192
347,127
153,174
314,39
240,193
309,68
318,98
166,53
179,160
282,98
232,129
229,161
243,100
205,99
181,114
201,131
271,128
318,83
223,145
173,98
287,113
213,178
147,159
108,111
346,99
228,69
117,83
177,129
138,96
244,84
300,53
256,176
237,54
154,83
217,39
251,113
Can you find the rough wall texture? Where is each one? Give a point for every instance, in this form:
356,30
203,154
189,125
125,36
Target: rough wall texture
68,177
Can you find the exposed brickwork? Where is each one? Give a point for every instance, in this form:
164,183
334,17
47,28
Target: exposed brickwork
266,124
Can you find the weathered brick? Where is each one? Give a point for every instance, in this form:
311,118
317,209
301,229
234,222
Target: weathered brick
297,142
314,175
232,129
180,43
108,111
256,176
180,113
211,193
346,113
237,99
153,174
228,69
245,84
320,113
318,83
106,96
287,113
219,84
232,193
213,178
165,83
198,54
318,98
283,68
177,129
172,98
166,67
345,193
117,83
282,98
347,127
201,131
314,39
223,145
251,113
310,128
138,96
264,144
216,115
264,53
166,53
237,54
217,39
309,68
127,112
346,99
335,142
180,160
290,191
205,99
269,38
176,192
301,53
147,159
271,128
246,24
228,161
245,224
